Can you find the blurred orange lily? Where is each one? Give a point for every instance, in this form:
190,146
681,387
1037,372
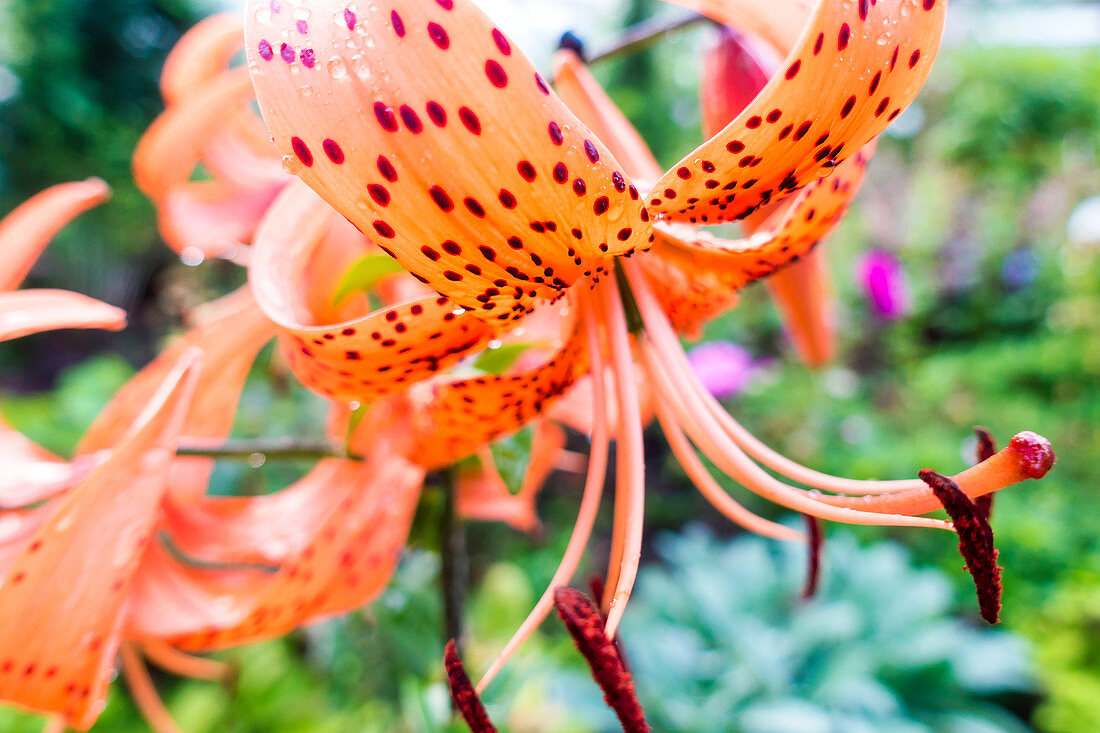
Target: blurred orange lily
430,132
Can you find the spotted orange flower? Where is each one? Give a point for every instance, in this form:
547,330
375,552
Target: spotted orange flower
427,129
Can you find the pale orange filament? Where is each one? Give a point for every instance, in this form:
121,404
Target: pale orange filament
590,501
629,459
707,435
712,491
144,692
679,389
170,659
726,442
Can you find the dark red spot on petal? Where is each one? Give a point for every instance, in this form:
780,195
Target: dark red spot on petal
397,23
385,167
470,120
301,150
439,35
386,118
333,150
502,42
495,73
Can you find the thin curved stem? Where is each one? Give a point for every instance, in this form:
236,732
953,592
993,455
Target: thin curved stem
273,449
643,35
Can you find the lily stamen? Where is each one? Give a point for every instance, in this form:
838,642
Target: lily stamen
975,541
586,515
585,625
466,699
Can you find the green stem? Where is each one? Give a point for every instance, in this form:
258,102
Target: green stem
277,449
455,563
643,35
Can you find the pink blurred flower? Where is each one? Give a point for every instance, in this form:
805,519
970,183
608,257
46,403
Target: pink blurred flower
883,281
724,368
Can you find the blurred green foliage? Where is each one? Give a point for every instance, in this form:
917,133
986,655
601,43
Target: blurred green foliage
875,651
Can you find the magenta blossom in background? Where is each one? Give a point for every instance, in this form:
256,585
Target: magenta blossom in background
724,368
883,282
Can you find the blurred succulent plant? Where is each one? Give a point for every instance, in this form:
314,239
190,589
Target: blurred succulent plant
720,641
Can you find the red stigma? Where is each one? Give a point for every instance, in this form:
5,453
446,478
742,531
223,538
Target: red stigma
465,697
975,541
583,621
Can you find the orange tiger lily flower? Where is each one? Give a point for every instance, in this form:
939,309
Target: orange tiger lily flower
427,129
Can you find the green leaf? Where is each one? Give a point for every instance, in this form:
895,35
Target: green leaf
512,456
496,361
364,274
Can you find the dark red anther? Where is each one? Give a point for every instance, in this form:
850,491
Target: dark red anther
813,569
975,541
986,448
465,697
583,621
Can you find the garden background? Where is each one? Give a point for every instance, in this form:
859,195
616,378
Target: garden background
982,192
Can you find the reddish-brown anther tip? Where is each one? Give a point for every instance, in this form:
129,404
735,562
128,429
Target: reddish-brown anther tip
986,447
813,569
465,697
583,621
1036,454
975,541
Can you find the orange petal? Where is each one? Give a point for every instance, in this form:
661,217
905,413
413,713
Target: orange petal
790,232
211,217
346,565
361,358
838,88
201,54
33,311
26,231
229,344
426,127
693,286
63,599
483,496
802,292
462,415
170,149
588,100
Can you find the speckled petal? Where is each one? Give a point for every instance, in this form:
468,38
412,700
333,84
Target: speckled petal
361,358
63,598
856,65
433,134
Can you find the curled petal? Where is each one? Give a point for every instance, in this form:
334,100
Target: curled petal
347,562
427,128
359,358
461,415
201,54
211,217
33,311
63,598
26,231
170,149
836,90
